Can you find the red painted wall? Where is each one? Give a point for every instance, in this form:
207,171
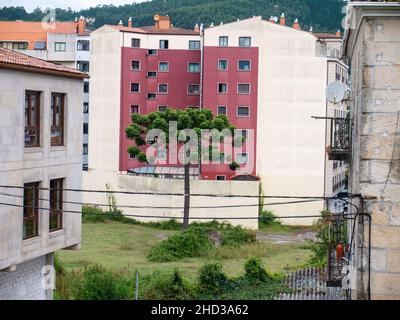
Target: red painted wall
232,76
178,78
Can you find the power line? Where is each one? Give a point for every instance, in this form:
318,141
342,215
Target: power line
181,194
166,217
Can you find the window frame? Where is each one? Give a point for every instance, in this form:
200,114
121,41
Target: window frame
193,63
218,84
134,106
155,96
60,43
155,77
243,38
227,65
226,111
61,117
240,116
165,42
162,92
133,83
223,45
246,84
35,186
197,42
58,211
242,153
191,93
81,44
152,50
162,62
27,109
244,70
133,40
220,176
85,145
139,63
158,108
86,107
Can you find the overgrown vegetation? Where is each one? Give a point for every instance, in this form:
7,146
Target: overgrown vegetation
96,283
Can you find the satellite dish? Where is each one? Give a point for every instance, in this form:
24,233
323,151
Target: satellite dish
156,17
336,92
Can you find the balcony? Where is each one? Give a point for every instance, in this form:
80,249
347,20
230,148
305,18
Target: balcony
339,146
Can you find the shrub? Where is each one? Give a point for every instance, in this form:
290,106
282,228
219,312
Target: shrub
267,218
212,279
186,244
234,165
92,215
254,272
237,236
141,157
164,286
164,225
100,284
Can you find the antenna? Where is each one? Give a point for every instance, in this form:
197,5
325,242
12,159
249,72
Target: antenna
336,92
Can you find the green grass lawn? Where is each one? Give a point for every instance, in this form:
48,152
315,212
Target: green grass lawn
115,245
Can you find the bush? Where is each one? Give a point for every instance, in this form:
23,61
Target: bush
254,272
267,218
212,279
237,236
164,286
100,284
92,215
186,244
164,225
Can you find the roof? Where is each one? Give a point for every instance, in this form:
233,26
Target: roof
32,31
15,60
154,30
161,170
327,36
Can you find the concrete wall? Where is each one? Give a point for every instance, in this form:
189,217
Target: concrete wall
98,180
373,49
19,165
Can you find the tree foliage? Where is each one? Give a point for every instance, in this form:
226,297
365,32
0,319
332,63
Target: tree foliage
323,15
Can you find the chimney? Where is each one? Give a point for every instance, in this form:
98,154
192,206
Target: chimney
282,20
130,23
120,23
81,25
296,24
162,22
196,28
338,33
272,20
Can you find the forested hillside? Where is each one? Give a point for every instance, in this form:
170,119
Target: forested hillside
323,15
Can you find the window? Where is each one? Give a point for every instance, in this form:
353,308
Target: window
194,89
135,43
223,64
135,65
83,66
86,87
152,52
222,110
135,87
20,45
222,88
31,210
60,46
163,67
32,119
134,109
223,41
194,67
162,108
86,107
222,157
85,148
85,128
243,88
161,154
151,96
162,88
194,45
221,178
83,45
164,44
242,158
193,107
132,156
57,119
152,74
244,65
245,134
56,204
243,111
244,42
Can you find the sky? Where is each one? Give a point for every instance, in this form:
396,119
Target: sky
74,4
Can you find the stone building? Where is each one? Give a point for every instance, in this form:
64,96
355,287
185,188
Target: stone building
40,157
372,44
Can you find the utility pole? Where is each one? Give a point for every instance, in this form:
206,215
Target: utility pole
186,206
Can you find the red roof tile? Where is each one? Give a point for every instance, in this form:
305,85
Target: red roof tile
16,60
